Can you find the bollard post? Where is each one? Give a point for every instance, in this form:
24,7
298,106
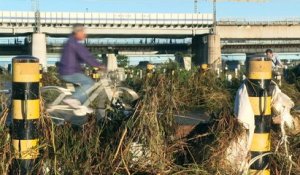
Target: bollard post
236,73
238,67
150,70
259,73
41,74
229,78
226,71
141,74
131,73
26,113
95,74
203,68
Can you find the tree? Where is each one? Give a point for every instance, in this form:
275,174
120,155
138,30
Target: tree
122,60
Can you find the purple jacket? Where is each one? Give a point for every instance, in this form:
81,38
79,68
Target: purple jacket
73,55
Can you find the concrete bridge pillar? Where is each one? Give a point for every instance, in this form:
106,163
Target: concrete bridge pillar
199,50
38,48
112,64
206,49
214,50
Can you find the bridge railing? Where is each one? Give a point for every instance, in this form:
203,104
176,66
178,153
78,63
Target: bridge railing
11,41
17,17
97,42
108,18
243,21
260,42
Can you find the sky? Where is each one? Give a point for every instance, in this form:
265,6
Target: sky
271,10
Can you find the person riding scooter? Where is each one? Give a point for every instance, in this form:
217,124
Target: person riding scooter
73,55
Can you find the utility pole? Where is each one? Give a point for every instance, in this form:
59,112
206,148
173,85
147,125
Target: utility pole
35,7
215,10
215,16
195,6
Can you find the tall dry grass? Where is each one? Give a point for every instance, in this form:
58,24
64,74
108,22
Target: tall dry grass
146,143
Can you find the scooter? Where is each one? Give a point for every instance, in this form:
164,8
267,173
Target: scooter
103,95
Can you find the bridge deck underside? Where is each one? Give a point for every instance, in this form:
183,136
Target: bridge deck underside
112,31
260,48
20,49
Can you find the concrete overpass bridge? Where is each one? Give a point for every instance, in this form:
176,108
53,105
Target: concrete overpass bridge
135,25
259,46
206,46
288,29
106,24
15,46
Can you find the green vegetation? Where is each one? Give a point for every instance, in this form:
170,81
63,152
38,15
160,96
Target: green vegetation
122,60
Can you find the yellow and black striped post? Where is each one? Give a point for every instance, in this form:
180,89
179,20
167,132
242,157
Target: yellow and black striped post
203,68
41,75
95,74
259,72
150,70
26,113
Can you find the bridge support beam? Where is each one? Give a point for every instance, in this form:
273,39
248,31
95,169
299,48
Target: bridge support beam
198,50
112,64
206,49
38,48
110,60
214,50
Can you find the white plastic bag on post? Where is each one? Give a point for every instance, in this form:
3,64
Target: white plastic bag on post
244,112
282,104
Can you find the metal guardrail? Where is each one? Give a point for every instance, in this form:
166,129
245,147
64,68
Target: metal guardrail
58,42
261,42
91,42
107,18
134,18
124,42
242,21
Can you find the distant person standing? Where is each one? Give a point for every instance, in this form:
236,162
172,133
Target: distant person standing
276,65
73,55
274,58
